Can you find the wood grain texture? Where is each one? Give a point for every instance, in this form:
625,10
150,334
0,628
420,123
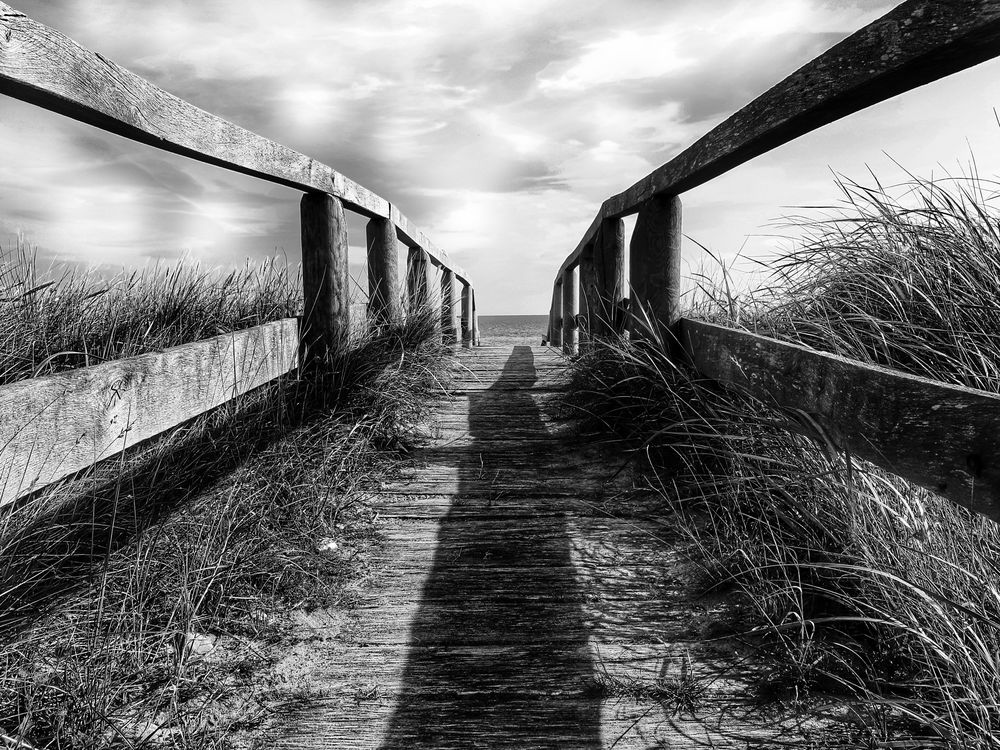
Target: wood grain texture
416,278
430,287
44,67
605,286
385,299
468,329
586,289
475,318
918,42
325,277
941,437
555,316
574,257
655,264
450,307
494,613
569,329
411,236
54,426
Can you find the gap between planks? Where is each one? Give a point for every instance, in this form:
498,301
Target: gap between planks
514,598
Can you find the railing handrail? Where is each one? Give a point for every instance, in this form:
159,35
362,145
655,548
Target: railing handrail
881,415
44,67
936,435
52,427
916,43
56,425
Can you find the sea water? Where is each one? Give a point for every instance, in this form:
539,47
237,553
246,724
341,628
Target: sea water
512,329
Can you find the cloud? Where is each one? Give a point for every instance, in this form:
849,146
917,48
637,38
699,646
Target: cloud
84,195
626,56
497,128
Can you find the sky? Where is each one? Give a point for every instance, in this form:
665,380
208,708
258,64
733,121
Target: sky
498,128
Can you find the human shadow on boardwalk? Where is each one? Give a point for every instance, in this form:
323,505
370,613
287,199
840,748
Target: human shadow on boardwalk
498,651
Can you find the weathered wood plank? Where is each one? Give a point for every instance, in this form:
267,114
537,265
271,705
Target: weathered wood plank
41,66
574,257
412,237
558,721
54,426
915,43
918,42
942,437
513,597
398,503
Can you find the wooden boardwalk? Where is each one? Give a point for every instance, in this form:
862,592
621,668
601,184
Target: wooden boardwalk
515,601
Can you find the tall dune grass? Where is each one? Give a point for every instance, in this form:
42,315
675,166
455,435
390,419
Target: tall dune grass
868,594
906,277
55,321
144,603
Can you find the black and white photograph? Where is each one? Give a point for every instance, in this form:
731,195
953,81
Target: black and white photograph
542,375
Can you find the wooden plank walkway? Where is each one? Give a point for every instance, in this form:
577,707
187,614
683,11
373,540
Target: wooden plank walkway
518,600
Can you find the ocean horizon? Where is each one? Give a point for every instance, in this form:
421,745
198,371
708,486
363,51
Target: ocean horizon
513,329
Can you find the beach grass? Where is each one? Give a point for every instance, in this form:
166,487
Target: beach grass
55,320
143,604
874,602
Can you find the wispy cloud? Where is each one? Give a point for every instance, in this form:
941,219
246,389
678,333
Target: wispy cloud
498,128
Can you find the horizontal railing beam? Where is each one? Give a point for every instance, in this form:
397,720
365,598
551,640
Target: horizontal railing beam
412,237
42,66
574,257
56,425
942,437
48,69
918,42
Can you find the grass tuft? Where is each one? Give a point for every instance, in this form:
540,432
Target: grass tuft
145,603
74,319
864,591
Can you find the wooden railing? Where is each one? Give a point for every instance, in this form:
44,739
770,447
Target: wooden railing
942,437
52,427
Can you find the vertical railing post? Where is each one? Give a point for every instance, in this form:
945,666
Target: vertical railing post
588,299
422,286
416,280
449,307
475,320
655,268
432,284
384,299
604,299
456,307
568,312
555,316
467,333
327,316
